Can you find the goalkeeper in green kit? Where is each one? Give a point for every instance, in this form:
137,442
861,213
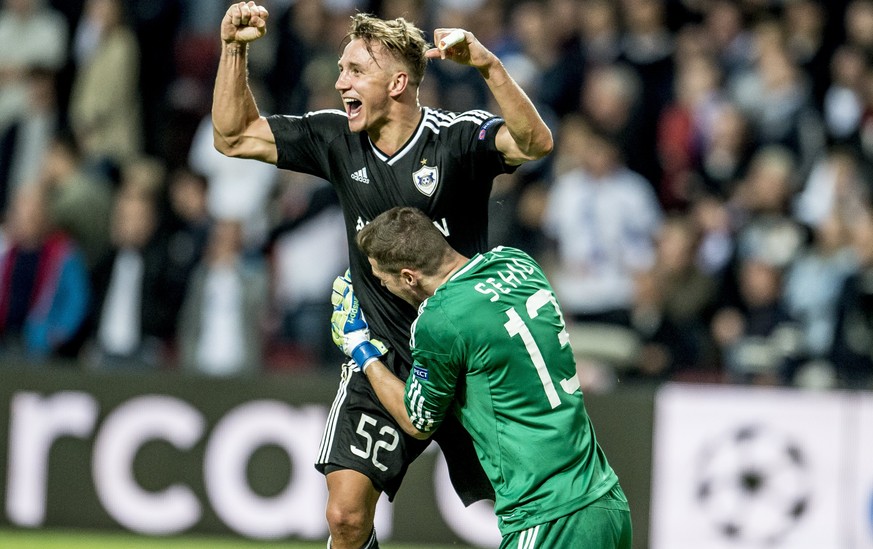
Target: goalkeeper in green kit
490,345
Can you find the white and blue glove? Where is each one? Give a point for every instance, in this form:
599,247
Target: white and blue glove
349,328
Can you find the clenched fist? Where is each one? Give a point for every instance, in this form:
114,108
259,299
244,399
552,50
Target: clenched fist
244,22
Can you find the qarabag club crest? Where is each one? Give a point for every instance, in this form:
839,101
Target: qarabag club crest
426,179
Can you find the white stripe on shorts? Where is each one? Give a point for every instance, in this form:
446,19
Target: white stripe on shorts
528,538
330,427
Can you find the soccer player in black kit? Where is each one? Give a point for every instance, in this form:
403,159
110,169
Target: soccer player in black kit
384,150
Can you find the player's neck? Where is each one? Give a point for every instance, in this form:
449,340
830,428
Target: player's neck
449,268
401,124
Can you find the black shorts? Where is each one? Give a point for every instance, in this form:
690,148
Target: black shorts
361,435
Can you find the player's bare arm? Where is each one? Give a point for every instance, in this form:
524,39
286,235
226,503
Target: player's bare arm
390,389
238,128
351,334
524,136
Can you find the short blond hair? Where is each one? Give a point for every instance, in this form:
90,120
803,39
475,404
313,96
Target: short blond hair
399,37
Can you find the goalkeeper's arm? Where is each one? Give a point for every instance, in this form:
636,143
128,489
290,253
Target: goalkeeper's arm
390,390
351,334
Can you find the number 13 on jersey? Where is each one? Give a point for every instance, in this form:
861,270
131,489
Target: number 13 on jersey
516,326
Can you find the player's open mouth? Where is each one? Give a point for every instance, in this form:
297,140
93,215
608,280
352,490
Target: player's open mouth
353,107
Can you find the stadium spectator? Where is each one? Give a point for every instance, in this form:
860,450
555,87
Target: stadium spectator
32,36
221,325
488,21
843,101
775,95
186,225
852,351
132,322
300,46
44,289
712,220
610,100
237,189
865,131
685,128
105,106
160,31
724,158
858,25
812,285
836,186
805,24
25,141
758,340
534,63
79,198
312,226
457,87
647,48
731,39
673,301
596,43
760,208
604,219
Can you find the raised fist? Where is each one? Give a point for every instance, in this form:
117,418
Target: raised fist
244,22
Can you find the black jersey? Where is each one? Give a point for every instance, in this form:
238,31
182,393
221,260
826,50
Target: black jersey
446,169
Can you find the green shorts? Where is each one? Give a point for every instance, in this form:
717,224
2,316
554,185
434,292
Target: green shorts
604,524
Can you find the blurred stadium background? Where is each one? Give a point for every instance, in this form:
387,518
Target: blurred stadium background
706,219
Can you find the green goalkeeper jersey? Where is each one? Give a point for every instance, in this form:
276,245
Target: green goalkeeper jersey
491,346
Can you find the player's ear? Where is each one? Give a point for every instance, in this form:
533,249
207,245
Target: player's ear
408,277
398,84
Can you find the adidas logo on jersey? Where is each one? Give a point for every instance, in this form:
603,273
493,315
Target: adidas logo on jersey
361,176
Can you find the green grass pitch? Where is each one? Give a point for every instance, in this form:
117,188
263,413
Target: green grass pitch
71,539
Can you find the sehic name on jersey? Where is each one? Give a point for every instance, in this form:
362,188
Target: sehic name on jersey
512,277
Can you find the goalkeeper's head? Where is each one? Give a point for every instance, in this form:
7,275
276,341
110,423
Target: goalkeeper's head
408,254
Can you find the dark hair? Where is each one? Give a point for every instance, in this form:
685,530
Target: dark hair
398,36
404,237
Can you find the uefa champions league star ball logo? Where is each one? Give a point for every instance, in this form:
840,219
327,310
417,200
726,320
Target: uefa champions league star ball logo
753,484
871,516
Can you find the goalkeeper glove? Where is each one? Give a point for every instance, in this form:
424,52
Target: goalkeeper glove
349,329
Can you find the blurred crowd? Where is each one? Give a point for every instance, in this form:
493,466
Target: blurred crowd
706,215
